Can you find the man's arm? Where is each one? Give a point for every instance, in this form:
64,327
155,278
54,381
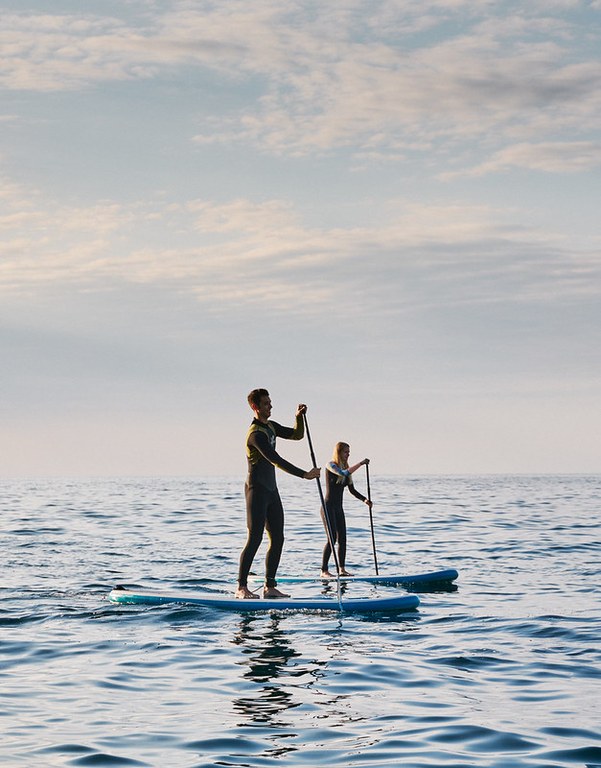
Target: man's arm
297,432
260,441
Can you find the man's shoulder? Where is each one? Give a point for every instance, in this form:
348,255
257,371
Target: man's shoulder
260,426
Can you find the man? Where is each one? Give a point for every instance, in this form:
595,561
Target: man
263,504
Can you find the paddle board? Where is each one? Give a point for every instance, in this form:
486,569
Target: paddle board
348,605
447,575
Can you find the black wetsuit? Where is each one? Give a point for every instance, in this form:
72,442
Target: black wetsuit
335,485
263,504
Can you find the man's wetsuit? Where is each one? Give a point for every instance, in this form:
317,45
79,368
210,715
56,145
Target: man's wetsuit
263,504
337,480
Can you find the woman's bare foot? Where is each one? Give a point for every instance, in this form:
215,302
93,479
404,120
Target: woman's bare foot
271,592
244,593
326,575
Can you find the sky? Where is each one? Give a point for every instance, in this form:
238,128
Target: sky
387,210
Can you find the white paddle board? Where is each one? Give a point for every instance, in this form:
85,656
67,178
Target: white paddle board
347,605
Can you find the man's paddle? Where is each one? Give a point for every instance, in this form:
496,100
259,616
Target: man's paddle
326,515
371,520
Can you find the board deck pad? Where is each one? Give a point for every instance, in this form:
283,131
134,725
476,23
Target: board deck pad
347,605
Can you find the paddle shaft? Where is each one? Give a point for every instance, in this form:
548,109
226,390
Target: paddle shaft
371,521
325,512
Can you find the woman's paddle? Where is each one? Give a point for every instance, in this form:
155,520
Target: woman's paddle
326,515
371,520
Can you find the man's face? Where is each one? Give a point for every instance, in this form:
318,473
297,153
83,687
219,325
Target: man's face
264,409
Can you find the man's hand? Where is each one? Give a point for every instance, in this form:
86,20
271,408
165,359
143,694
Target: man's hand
312,474
301,408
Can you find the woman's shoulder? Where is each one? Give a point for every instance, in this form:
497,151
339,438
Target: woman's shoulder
335,469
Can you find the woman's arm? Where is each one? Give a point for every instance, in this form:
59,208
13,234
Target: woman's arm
360,496
355,467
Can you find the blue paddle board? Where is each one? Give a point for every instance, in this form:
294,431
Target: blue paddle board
434,577
348,605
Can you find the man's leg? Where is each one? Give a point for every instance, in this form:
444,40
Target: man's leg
275,528
255,523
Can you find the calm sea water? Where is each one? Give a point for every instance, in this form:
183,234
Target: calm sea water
502,672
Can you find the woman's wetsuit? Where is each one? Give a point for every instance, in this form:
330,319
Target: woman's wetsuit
337,480
263,504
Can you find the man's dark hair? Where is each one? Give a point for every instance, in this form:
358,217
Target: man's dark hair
254,397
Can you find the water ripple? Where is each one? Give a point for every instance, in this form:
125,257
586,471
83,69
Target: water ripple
502,671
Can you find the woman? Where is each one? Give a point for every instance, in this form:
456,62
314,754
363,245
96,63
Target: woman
338,477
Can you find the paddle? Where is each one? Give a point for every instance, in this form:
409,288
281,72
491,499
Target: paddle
371,520
325,512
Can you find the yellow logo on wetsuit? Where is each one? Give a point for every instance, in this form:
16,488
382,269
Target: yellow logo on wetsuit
252,453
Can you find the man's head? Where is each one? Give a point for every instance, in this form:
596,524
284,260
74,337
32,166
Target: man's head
260,402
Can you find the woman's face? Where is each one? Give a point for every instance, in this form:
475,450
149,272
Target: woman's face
345,453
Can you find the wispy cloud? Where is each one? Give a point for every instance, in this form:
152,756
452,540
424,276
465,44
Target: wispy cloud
331,77
242,252
549,157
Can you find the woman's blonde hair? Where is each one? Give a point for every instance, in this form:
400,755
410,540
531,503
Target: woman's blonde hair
336,455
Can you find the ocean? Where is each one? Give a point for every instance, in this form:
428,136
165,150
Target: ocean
502,672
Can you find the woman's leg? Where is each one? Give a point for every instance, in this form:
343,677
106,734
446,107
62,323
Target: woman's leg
341,528
327,550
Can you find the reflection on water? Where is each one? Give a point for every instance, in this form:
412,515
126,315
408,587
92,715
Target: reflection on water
282,679
267,652
330,588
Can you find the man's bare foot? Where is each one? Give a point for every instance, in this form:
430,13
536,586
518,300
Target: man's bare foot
271,592
244,593
326,575
344,572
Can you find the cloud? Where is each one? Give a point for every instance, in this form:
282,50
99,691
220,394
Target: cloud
327,78
548,157
61,52
380,100
246,253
